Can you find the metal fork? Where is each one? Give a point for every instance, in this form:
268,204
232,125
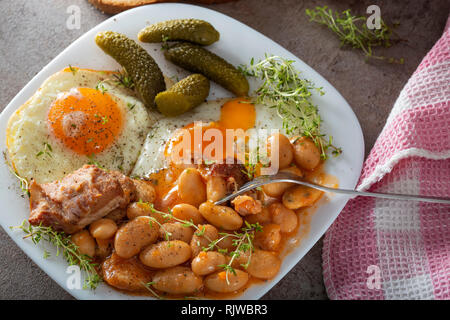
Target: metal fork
288,177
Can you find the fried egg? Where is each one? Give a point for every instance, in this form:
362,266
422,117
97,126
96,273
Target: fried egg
229,113
78,116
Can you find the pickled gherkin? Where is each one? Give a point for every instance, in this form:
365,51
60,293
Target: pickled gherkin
192,30
139,65
183,95
197,59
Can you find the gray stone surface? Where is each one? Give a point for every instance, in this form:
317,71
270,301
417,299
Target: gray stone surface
33,32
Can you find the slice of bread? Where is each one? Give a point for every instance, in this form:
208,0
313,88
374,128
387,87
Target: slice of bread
116,6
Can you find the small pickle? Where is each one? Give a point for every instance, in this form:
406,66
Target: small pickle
183,96
197,59
192,30
139,65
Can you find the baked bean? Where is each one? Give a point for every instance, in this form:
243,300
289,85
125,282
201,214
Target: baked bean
144,190
187,212
284,217
139,209
207,262
218,281
300,196
104,247
103,228
201,239
262,218
263,264
276,190
135,235
265,199
85,242
165,254
285,150
306,153
222,217
227,243
269,238
246,205
177,280
176,231
239,261
170,198
191,188
125,274
216,188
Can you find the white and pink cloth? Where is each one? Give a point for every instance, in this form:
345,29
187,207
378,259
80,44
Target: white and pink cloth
405,243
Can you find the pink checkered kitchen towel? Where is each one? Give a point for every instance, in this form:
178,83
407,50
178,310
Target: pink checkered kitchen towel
384,249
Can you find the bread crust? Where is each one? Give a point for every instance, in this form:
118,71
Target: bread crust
116,6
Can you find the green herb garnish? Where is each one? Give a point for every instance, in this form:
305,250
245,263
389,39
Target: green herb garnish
169,216
148,286
131,106
94,162
243,241
72,69
47,150
101,87
165,45
23,183
66,246
124,80
282,88
353,31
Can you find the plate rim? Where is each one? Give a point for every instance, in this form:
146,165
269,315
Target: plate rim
15,103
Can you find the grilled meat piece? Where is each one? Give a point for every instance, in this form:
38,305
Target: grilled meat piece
80,198
234,174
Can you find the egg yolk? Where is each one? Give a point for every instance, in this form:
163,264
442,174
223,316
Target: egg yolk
238,114
235,114
85,120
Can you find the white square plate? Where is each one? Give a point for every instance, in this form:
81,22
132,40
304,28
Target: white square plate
238,44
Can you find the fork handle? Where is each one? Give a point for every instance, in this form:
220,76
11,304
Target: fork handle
394,196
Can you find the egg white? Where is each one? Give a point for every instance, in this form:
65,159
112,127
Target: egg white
27,130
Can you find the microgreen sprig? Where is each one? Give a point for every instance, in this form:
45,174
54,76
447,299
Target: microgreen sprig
131,106
72,69
65,246
95,162
123,79
242,241
148,286
249,171
285,90
101,87
352,31
165,45
47,150
169,216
